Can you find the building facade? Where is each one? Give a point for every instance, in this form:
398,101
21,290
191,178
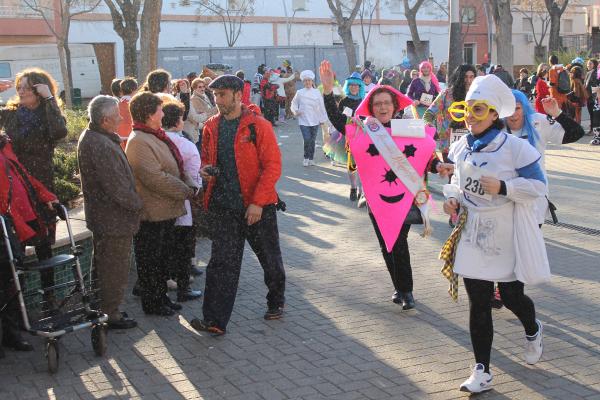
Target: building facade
298,23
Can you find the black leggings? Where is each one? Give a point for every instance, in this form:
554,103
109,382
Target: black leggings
480,316
398,260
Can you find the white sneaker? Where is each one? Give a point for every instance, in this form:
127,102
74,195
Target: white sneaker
535,347
305,162
362,201
311,162
171,284
479,381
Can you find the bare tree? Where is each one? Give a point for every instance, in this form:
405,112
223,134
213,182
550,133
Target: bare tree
125,16
556,8
365,15
345,16
289,20
431,6
65,11
149,32
501,13
533,11
232,15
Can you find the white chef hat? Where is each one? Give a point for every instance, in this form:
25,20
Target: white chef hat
491,89
307,74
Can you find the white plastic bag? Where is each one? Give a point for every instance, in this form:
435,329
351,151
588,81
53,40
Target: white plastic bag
531,266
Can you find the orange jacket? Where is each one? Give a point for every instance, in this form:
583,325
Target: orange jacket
124,128
258,159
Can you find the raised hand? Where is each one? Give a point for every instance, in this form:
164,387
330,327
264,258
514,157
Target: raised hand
326,76
551,106
42,90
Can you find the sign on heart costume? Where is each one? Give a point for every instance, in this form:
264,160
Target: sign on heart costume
391,168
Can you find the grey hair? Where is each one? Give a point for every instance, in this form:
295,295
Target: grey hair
99,107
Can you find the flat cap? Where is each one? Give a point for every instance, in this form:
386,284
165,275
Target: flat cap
227,82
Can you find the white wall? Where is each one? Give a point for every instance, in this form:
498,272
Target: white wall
387,45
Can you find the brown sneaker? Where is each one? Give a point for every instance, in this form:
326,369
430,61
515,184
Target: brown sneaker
274,313
207,326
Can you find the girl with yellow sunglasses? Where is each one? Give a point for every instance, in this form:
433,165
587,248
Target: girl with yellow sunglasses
496,177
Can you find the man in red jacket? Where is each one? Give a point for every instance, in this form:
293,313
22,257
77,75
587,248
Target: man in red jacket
242,164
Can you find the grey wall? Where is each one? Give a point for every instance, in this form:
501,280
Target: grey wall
180,61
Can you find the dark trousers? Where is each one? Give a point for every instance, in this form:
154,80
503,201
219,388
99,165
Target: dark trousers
184,246
229,234
594,120
309,134
480,313
398,260
112,258
271,110
152,245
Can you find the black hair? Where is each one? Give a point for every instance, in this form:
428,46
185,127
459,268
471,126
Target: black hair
128,86
115,87
157,81
173,111
457,81
498,124
553,59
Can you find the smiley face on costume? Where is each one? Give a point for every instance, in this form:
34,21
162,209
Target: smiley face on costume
388,198
389,176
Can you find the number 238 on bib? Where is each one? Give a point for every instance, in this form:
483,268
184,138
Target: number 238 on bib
470,180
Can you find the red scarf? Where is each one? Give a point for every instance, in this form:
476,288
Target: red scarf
162,136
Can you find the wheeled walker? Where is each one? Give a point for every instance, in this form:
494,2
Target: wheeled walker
72,309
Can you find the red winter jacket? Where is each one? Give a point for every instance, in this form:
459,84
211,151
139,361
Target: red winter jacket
258,162
7,159
246,93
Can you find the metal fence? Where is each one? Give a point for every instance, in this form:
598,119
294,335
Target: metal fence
180,61
579,43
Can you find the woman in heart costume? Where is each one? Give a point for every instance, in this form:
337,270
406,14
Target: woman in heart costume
388,199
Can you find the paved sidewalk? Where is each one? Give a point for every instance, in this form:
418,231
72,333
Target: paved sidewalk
342,337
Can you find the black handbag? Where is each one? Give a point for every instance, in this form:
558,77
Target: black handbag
414,216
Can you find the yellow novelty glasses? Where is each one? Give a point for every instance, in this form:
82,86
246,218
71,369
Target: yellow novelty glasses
479,110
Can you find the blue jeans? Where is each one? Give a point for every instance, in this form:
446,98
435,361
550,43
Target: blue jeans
309,134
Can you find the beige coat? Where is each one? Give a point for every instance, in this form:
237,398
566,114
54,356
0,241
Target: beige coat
156,177
200,111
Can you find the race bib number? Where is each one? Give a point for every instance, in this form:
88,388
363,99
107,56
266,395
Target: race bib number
426,99
470,181
457,134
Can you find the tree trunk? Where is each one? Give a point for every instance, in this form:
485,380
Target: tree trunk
345,32
130,54
455,45
416,39
503,21
540,54
68,61
150,30
554,38
65,74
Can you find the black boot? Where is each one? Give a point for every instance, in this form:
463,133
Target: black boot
408,301
11,338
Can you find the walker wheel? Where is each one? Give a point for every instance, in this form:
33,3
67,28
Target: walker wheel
99,340
52,355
